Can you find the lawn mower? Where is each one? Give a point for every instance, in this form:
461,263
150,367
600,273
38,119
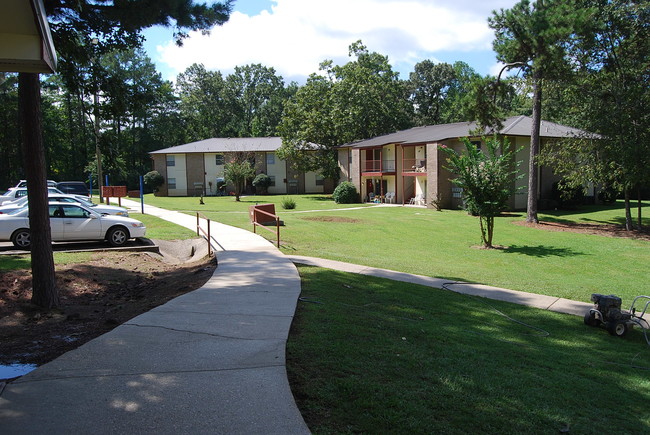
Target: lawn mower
607,311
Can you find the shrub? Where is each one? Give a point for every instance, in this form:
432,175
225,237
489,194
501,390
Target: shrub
288,203
153,180
345,193
262,181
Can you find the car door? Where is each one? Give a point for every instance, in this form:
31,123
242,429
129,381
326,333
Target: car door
56,222
80,224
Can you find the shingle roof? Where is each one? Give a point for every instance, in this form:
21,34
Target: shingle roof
514,126
225,145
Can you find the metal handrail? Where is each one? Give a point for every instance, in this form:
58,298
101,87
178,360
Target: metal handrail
200,230
277,223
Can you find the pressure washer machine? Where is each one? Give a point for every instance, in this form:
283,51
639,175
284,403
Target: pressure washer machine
607,311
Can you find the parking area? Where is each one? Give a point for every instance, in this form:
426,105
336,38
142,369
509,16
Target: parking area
139,244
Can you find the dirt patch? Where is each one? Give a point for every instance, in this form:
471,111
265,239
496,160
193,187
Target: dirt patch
337,219
96,296
607,230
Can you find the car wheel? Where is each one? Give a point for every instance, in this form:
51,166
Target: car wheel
117,236
618,329
22,239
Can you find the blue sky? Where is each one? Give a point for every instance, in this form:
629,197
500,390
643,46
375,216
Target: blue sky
294,36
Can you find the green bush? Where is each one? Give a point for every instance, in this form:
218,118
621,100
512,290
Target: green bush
153,180
288,203
262,181
345,193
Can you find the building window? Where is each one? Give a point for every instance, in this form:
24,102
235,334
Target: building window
171,183
171,160
270,158
219,159
319,180
477,144
272,177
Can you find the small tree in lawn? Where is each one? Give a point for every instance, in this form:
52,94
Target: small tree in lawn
238,171
487,179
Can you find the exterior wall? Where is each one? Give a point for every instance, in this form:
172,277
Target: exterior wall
212,171
521,193
179,173
159,164
355,168
277,169
195,170
344,164
310,183
295,181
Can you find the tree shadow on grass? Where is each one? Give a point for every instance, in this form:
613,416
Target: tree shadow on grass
541,251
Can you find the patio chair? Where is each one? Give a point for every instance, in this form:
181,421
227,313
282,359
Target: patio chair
390,197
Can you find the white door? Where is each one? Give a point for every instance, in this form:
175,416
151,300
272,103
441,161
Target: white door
57,222
80,224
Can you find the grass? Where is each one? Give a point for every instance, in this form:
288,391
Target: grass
443,244
156,229
369,355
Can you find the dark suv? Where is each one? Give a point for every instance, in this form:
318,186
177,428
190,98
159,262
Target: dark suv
73,187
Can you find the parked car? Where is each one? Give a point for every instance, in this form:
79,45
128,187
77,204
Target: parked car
71,222
19,192
23,183
73,187
75,199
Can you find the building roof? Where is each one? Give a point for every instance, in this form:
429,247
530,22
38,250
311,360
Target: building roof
226,145
513,126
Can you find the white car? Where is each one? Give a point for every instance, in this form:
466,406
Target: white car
71,222
23,183
19,192
75,199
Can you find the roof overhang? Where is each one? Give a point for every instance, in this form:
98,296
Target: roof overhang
25,40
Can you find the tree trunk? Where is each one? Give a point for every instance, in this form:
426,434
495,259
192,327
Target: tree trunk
639,205
44,291
531,215
628,211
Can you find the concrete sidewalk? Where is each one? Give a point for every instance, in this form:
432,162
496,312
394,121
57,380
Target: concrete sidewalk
550,303
211,361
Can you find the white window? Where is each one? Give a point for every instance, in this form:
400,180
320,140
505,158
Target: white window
270,158
219,159
319,180
171,183
171,160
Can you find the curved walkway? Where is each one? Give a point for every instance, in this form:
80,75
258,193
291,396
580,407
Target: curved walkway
211,361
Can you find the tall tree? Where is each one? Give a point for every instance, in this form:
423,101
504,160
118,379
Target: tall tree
256,96
358,100
430,83
533,36
609,95
73,21
203,103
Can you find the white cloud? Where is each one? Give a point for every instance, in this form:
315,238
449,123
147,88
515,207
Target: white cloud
299,34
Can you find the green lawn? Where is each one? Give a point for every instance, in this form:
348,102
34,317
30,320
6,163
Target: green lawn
369,355
443,244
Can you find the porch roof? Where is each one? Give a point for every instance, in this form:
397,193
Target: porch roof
513,126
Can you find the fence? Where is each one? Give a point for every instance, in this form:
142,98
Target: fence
200,230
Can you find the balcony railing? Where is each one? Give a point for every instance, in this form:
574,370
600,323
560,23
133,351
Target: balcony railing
379,166
414,165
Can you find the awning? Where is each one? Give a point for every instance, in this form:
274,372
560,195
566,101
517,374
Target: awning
25,40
